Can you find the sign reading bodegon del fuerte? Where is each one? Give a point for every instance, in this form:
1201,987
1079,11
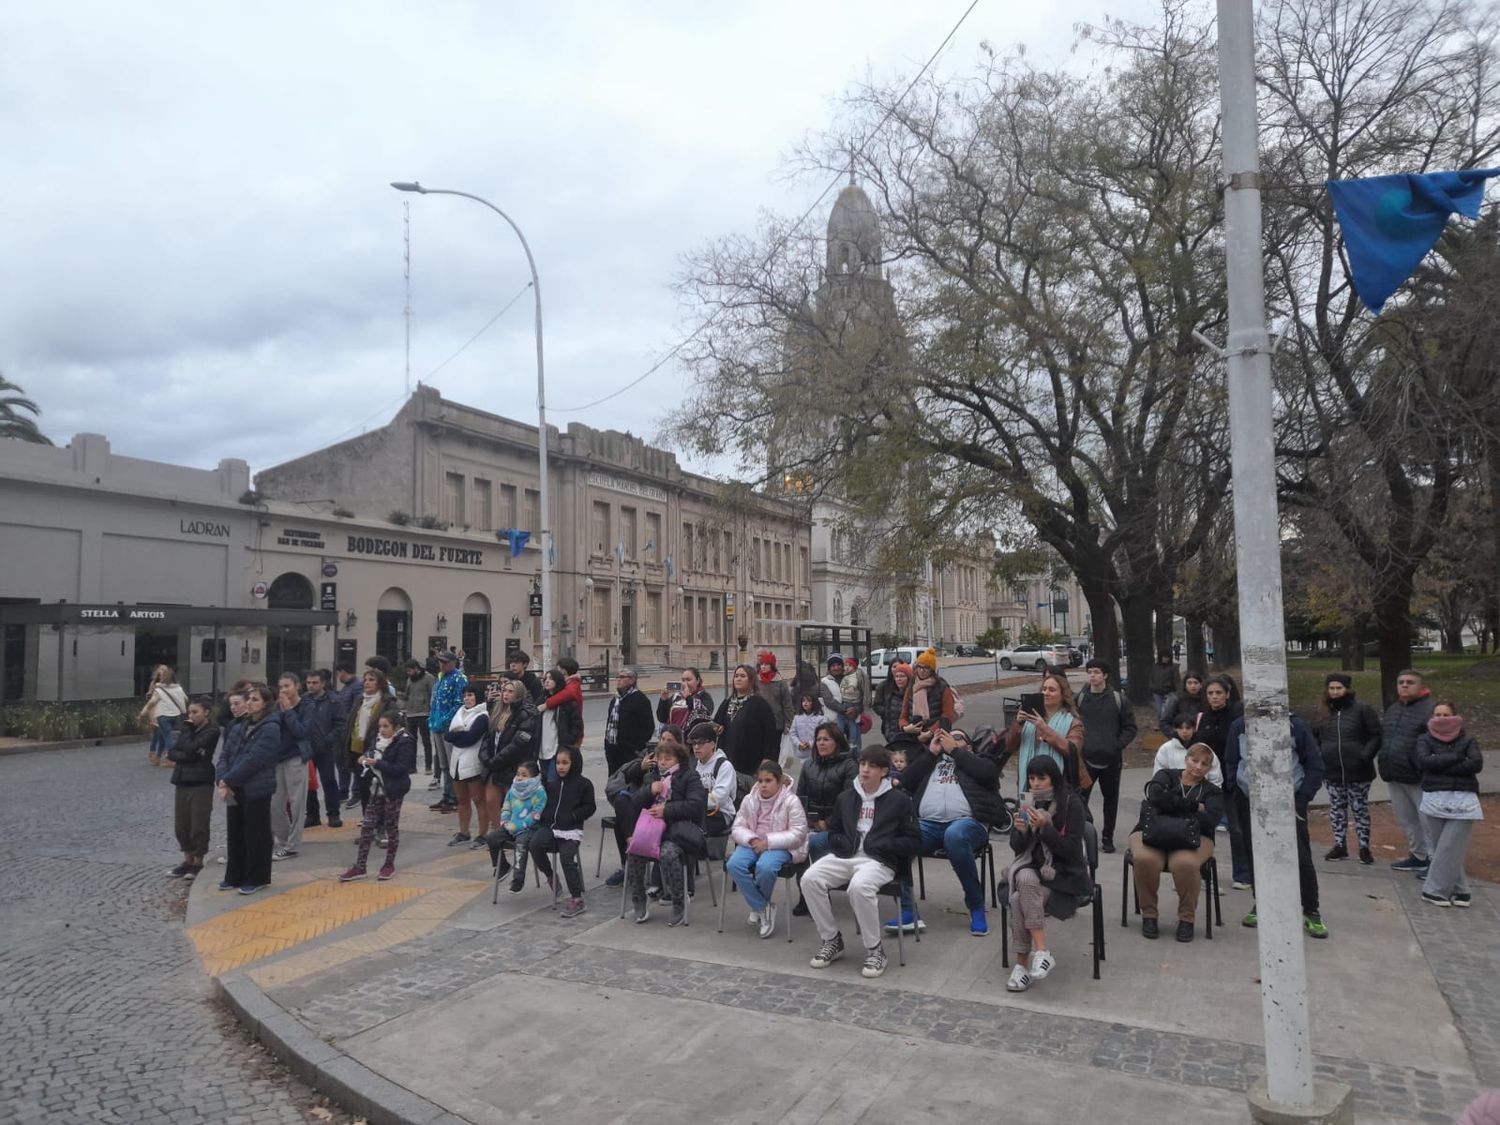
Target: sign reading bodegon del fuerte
377,546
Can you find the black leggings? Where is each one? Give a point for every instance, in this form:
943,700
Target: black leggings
416,726
543,841
1108,781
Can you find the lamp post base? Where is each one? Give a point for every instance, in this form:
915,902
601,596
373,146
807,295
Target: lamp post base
1333,1104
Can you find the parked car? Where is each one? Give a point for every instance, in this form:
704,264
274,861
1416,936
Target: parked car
1040,657
971,650
879,664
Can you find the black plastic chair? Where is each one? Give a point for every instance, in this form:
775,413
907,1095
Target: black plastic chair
606,826
1094,900
1213,908
789,875
510,846
987,873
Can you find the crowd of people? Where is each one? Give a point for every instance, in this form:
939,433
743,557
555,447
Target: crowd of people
777,775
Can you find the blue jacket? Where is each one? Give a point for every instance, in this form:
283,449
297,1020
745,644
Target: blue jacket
250,767
323,721
296,731
346,698
447,698
1307,767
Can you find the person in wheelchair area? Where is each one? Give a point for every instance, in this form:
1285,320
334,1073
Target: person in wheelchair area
1050,872
1176,834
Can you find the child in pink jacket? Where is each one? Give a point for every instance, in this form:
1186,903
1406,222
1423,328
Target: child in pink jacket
770,831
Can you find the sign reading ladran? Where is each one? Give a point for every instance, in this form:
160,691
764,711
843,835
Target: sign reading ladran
417,552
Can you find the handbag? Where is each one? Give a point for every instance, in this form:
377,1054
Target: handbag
1166,832
646,840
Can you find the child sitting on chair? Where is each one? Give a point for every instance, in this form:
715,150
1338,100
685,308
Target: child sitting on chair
523,806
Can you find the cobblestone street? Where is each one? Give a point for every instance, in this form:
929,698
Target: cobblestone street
106,1015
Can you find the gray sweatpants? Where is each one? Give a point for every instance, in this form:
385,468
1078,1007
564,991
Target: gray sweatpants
1406,801
1450,843
291,788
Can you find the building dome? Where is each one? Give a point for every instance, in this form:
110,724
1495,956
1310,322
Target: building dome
853,234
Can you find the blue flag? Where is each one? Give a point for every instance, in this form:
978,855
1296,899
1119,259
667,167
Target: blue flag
515,538
1391,222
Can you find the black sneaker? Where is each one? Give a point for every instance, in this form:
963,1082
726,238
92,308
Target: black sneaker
1184,931
458,838
1149,928
800,910
335,822
1107,846
1365,857
1436,900
192,873
1410,863
829,952
1338,851
1462,899
178,872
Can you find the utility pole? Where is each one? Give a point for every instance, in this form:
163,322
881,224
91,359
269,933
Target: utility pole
406,274
1288,1092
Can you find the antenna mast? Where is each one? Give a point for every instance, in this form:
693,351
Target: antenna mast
406,274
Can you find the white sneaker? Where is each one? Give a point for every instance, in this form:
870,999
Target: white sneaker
1042,964
1020,979
768,921
753,919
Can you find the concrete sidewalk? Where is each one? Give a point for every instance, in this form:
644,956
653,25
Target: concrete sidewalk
416,999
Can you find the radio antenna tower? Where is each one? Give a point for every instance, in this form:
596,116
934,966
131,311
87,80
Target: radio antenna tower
406,273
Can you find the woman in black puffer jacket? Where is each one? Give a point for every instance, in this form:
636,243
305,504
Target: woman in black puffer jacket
1348,734
193,774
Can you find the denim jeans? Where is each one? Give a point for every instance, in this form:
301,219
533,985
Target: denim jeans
817,846
962,840
755,875
166,727
851,732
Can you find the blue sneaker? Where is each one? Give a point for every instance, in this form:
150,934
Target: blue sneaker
616,879
979,925
227,887
907,923
249,889
1411,863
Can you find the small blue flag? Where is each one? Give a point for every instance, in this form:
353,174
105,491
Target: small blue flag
516,538
1391,222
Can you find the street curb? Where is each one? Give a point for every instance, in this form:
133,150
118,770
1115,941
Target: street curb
72,744
324,1067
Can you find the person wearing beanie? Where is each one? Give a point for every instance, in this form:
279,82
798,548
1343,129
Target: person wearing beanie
928,658
1348,734
778,693
831,687
1450,762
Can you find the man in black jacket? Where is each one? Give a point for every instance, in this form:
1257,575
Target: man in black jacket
1108,727
517,668
874,834
629,724
957,794
1406,721
323,726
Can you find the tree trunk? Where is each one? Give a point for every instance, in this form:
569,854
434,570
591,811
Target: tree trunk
1226,635
1105,642
1164,626
1135,612
1453,638
1393,627
1352,649
1197,657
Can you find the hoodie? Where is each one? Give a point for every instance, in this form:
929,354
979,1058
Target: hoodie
1172,755
780,822
1307,760
720,783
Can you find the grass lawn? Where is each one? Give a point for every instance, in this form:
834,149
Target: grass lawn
1470,681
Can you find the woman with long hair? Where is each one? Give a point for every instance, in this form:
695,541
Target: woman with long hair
362,728
1055,732
689,704
465,733
888,700
1050,868
247,781
514,722
166,704
747,725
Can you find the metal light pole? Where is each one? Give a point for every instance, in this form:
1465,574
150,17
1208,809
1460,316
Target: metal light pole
541,411
1283,968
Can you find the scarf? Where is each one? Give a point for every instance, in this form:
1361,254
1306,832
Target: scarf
734,704
1445,728
523,787
1037,854
1031,746
367,705
464,717
381,742
666,786
766,658
612,720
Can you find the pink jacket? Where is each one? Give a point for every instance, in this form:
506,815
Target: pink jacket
781,822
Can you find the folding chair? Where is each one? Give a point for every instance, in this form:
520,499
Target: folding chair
1095,900
987,874
510,845
789,875
606,829
1213,908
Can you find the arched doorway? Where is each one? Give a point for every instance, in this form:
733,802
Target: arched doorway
393,626
289,648
475,634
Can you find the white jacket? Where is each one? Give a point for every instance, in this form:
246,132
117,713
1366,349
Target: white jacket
1173,756
781,822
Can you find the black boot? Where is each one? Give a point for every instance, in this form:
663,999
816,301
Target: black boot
800,910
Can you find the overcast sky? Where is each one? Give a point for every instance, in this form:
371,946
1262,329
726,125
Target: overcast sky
202,257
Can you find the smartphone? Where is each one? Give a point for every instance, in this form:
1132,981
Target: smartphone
1032,701
674,685
1027,800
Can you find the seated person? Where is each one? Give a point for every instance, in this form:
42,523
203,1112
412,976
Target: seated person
524,802
1172,754
1186,807
570,803
677,797
1050,872
873,833
770,831
828,772
957,794
620,789
720,781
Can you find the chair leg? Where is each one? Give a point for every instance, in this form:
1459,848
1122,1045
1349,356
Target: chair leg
495,898
1127,869
1098,929
916,918
599,863
989,853
901,933
921,881
1218,902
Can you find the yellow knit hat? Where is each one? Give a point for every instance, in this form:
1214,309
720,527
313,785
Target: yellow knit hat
929,658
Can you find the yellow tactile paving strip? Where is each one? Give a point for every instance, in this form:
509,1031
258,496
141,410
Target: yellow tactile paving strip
283,920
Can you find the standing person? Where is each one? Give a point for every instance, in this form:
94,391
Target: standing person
832,688
1050,868
1108,728
447,698
563,708
770,831
323,732
517,667
746,723
805,680
1405,721
289,805
676,797
166,702
872,835
514,724
1348,734
687,705
463,740
418,703
247,780
388,762
778,693
1307,779
888,700
1185,809
720,782
570,804
805,724
361,728
1055,732
929,703
192,757
627,725
1164,685
346,692
828,772
1219,713
1186,703
854,691
1450,762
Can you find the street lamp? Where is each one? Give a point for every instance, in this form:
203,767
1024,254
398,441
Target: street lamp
541,408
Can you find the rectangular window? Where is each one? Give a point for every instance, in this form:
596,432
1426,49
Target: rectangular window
804,565
714,544
728,553
601,618
531,514
702,634
653,616
716,619
687,546
599,529
484,509
453,498
627,532
508,511
652,548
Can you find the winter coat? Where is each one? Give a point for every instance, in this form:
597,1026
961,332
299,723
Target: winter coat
940,701
1182,705
888,703
567,707
1164,794
1349,738
1164,678
780,822
1213,729
570,802
533,685
1070,878
1108,726
1307,760
978,778
894,837
524,812
193,753
822,780
297,728
251,772
419,697
1403,724
510,745
685,809
778,695
683,710
395,764
346,727
752,737
1449,766
633,725
447,698
322,722
467,744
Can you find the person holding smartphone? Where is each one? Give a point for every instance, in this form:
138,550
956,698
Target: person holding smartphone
621,788
929,702
684,702
1054,730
